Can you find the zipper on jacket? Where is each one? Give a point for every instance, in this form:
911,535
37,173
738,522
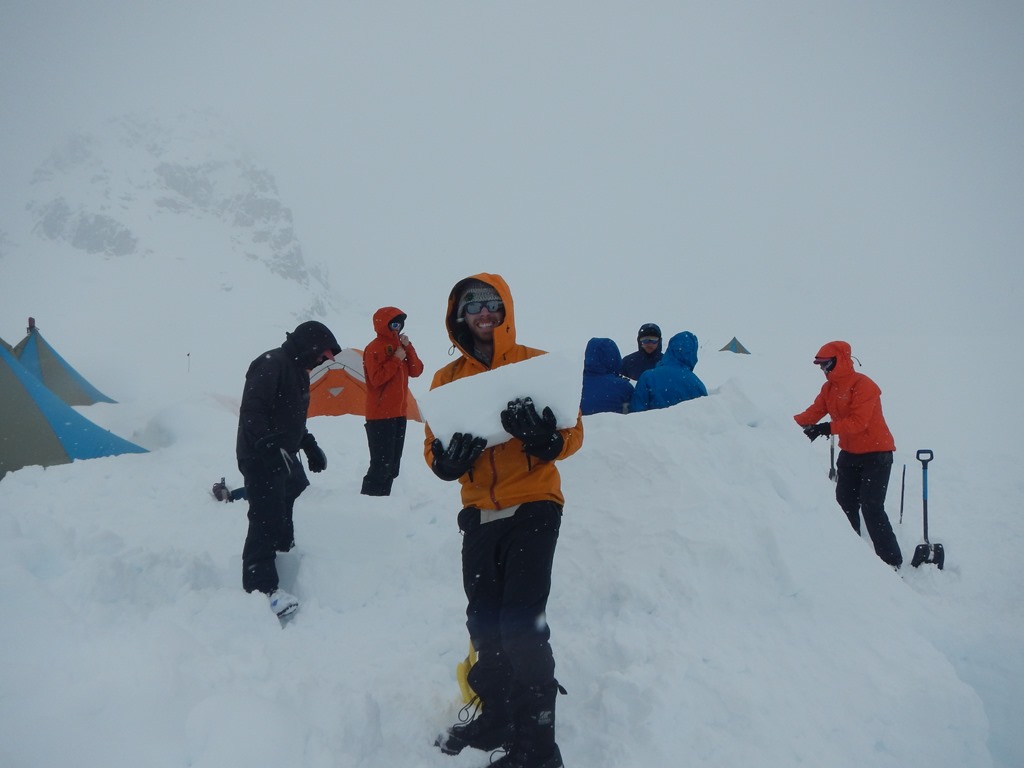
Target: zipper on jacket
494,479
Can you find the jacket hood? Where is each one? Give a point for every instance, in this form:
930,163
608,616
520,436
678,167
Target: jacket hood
843,354
382,320
602,356
306,344
504,335
682,350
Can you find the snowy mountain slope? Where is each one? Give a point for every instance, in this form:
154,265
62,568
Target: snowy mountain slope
144,218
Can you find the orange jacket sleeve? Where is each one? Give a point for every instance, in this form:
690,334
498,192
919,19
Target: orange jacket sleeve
815,412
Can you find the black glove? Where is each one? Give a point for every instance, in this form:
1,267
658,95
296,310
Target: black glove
453,462
814,431
539,434
275,458
315,457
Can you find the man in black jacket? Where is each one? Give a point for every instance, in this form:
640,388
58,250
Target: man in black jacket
648,352
271,430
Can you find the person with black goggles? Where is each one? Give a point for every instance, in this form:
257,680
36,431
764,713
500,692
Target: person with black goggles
648,352
510,518
866,446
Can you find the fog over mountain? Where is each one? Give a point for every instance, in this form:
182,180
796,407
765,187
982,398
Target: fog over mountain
183,183
187,171
151,218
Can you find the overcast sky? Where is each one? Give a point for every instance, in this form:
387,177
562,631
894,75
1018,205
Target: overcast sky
845,168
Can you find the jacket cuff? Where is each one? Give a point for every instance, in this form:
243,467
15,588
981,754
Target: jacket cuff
548,448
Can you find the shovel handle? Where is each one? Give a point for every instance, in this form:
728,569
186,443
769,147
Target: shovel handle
924,456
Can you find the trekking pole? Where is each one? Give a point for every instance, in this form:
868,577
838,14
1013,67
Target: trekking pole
832,474
903,488
927,552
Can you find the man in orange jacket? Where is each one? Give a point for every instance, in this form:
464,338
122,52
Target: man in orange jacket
512,509
388,362
866,446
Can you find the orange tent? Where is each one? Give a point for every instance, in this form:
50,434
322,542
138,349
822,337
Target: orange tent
338,387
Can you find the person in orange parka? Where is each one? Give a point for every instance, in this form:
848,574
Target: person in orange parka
512,511
865,444
388,362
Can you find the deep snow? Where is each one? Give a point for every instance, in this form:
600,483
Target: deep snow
710,601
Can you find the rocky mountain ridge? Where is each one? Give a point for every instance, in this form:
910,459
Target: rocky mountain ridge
103,192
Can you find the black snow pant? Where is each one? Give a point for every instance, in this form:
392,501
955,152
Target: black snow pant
386,439
863,479
506,572
271,530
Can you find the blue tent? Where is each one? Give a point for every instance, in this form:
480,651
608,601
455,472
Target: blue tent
735,346
43,362
37,427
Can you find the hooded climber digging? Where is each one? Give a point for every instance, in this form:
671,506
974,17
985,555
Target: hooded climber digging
854,403
512,509
271,432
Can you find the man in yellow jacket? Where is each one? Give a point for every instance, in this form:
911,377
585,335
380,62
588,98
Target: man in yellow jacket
512,509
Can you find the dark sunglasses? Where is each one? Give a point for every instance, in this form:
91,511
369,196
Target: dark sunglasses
649,341
474,307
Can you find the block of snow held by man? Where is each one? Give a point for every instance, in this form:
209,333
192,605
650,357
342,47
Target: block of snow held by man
474,404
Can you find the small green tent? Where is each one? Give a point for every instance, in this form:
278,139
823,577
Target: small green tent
735,346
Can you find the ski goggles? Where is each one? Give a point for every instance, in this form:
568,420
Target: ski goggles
475,307
396,325
825,363
649,341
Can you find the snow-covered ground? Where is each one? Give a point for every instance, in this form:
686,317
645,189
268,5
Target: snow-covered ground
710,602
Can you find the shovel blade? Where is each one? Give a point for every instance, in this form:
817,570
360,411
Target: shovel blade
929,553
938,555
920,555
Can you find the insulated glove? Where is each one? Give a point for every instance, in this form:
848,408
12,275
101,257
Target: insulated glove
315,457
453,462
814,431
275,458
539,434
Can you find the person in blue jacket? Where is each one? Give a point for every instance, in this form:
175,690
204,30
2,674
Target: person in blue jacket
604,390
672,380
648,352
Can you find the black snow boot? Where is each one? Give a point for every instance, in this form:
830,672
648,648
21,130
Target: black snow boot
534,719
519,759
488,731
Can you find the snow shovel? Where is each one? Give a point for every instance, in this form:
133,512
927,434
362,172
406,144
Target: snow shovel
927,552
